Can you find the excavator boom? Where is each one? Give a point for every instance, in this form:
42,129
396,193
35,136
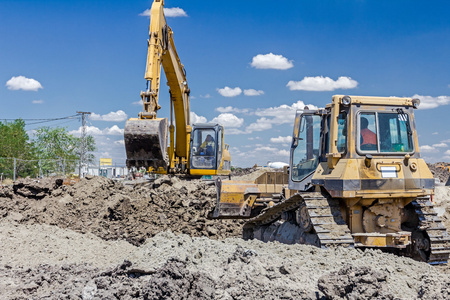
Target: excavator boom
146,136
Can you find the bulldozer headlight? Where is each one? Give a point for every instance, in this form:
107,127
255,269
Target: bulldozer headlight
346,100
416,103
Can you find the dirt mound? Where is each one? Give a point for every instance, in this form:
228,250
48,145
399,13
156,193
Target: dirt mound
241,171
354,283
113,211
441,174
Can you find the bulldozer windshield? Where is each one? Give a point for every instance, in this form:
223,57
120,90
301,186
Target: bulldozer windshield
384,132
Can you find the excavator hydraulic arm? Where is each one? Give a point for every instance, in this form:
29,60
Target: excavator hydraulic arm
146,136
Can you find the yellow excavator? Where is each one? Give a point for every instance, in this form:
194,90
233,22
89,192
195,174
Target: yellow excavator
355,179
194,149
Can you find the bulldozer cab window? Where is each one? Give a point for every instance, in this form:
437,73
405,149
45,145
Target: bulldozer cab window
342,132
203,149
305,153
394,132
368,132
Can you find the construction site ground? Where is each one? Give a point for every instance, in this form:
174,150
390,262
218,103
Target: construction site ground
107,239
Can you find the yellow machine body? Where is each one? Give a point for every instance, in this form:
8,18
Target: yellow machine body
355,179
146,136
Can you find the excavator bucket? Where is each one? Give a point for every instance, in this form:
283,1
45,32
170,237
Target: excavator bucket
146,143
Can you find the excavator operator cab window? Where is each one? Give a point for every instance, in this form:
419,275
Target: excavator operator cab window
385,132
204,148
305,147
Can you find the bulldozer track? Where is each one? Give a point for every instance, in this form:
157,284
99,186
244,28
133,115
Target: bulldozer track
432,225
326,218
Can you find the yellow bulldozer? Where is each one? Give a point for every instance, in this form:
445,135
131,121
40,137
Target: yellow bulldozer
355,179
194,149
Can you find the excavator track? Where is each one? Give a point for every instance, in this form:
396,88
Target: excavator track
430,223
327,221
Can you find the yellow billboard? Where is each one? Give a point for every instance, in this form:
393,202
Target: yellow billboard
105,161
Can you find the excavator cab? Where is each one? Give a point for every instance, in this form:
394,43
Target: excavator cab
208,153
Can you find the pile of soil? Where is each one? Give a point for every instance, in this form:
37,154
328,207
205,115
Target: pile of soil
439,173
101,239
112,210
241,171
170,266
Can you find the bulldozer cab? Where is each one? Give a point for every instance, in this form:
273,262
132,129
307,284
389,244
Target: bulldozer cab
206,147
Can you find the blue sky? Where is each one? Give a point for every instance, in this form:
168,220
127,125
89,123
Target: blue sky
249,64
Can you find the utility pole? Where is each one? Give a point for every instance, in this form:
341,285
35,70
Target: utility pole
83,149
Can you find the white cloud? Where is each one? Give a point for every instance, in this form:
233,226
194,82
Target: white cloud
174,12
447,152
266,148
207,96
146,13
234,131
230,92
283,114
427,149
117,116
168,12
281,139
23,83
197,119
271,61
37,101
119,142
428,102
232,109
114,130
320,83
440,145
92,130
139,102
228,120
284,153
435,133
252,92
260,125
254,138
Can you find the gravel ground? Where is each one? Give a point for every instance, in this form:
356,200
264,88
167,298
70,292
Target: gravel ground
100,239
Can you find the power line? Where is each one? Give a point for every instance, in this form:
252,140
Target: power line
39,121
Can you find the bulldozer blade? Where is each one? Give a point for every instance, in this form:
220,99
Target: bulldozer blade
234,198
146,143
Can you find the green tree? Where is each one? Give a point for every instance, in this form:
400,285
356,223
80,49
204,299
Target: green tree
15,143
58,144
